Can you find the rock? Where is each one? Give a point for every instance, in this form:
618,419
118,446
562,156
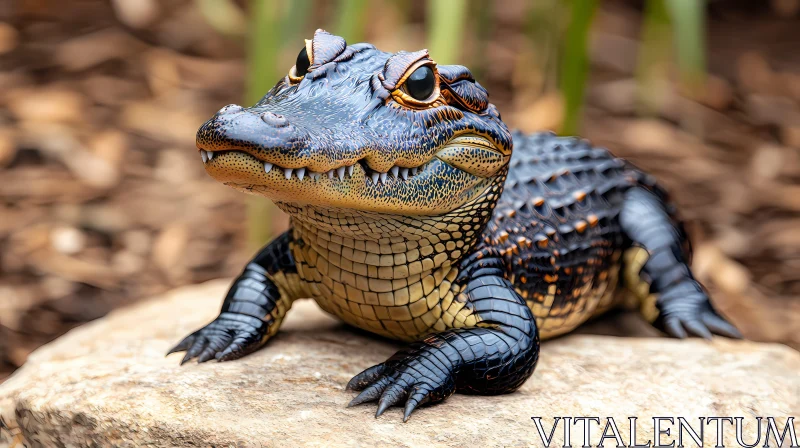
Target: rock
110,384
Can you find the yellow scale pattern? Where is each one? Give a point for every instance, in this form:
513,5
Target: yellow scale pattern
290,287
591,299
392,275
638,289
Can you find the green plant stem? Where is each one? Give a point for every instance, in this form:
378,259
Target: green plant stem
263,47
263,50
446,20
575,63
482,24
351,20
654,57
295,31
544,28
688,18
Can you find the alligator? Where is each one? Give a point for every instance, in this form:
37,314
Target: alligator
412,218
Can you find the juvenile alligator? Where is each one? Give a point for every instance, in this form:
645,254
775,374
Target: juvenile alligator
411,218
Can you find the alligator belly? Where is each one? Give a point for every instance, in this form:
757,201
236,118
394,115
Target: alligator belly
405,308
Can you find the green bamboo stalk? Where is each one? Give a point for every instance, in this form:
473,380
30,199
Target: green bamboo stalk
482,24
544,28
295,32
446,21
351,20
688,18
263,51
575,63
263,48
654,57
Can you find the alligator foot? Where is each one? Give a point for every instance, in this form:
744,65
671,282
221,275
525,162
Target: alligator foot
229,336
415,375
685,307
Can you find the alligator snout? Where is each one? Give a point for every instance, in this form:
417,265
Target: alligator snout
237,128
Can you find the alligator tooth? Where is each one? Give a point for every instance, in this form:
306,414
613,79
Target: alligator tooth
340,172
413,171
314,176
330,174
383,178
301,173
350,170
394,171
267,167
203,155
375,178
210,155
404,173
287,172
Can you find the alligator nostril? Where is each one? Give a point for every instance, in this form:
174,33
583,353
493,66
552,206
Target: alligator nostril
231,109
274,119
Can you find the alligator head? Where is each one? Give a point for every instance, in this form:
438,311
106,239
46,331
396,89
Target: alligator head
352,127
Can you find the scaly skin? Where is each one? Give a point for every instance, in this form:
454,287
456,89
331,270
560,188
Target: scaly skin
410,218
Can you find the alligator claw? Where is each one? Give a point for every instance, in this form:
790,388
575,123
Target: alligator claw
228,337
413,378
720,326
685,310
363,379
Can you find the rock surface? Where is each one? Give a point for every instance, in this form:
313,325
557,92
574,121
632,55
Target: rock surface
109,384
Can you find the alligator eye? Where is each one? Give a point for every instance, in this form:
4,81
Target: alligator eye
302,64
420,83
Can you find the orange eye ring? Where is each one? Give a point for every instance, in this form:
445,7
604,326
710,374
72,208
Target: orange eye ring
401,95
306,53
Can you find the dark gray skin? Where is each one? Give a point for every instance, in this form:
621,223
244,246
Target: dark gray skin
343,111
399,226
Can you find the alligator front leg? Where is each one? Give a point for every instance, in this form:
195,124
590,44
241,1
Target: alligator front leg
252,311
494,357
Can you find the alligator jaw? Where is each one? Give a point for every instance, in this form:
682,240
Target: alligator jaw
349,187
340,173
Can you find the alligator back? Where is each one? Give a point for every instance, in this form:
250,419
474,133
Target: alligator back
557,227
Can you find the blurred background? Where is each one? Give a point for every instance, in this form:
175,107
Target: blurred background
104,201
